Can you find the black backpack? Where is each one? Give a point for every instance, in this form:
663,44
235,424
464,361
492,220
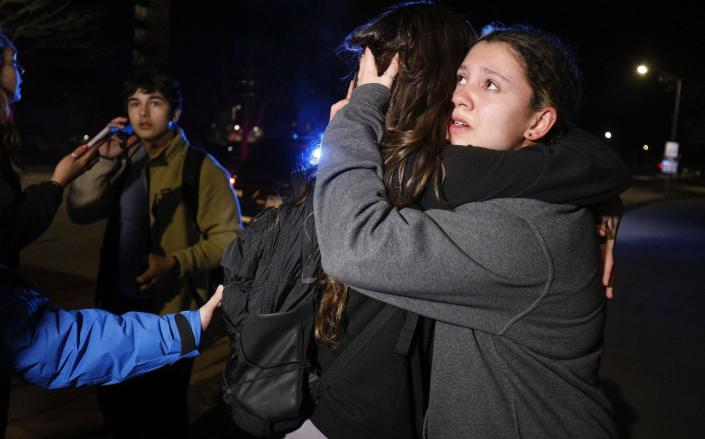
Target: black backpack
271,293
271,290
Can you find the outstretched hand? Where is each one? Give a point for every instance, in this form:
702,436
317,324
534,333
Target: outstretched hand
73,165
368,70
211,319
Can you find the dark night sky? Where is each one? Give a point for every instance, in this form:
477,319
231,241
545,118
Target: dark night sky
289,48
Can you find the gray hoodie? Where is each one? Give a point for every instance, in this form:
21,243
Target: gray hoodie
514,285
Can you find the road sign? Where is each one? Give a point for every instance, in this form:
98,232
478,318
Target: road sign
671,150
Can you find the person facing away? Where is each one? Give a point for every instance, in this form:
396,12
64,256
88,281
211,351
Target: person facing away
158,247
514,284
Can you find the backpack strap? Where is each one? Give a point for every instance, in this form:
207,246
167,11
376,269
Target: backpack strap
190,186
350,352
272,282
307,246
406,335
190,181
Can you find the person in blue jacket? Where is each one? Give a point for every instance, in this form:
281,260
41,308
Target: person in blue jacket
55,348
25,213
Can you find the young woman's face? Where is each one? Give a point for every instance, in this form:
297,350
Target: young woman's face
492,99
10,75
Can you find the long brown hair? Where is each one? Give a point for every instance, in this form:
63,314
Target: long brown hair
431,41
9,138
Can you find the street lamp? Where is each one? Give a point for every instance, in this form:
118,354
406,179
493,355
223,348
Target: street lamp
669,165
643,70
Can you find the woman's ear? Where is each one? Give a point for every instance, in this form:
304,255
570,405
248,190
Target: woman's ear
541,123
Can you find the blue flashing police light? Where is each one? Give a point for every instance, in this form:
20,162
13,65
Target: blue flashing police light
314,156
313,153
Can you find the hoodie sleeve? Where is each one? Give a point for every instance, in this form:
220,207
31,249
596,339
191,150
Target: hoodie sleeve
435,261
579,169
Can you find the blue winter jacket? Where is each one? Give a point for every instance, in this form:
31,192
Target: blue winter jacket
55,348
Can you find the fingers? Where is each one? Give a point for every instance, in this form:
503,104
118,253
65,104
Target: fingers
608,267
217,297
83,158
78,152
150,283
368,70
393,68
337,107
612,226
602,229
87,156
118,122
351,87
608,232
210,317
342,103
131,140
215,301
146,280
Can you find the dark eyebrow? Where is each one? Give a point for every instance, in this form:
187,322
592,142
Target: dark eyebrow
495,73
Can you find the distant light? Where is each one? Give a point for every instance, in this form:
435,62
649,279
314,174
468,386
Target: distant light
255,129
236,127
232,180
608,134
645,147
212,124
86,137
295,136
315,156
230,149
642,69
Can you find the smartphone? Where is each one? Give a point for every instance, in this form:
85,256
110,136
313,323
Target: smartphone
124,133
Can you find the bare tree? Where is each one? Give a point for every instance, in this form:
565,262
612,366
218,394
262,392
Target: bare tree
49,23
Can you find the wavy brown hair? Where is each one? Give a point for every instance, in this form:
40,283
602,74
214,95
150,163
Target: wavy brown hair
431,41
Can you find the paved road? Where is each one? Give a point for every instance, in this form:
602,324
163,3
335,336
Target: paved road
654,356
654,362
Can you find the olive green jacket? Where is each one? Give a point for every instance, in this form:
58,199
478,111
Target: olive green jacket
94,196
